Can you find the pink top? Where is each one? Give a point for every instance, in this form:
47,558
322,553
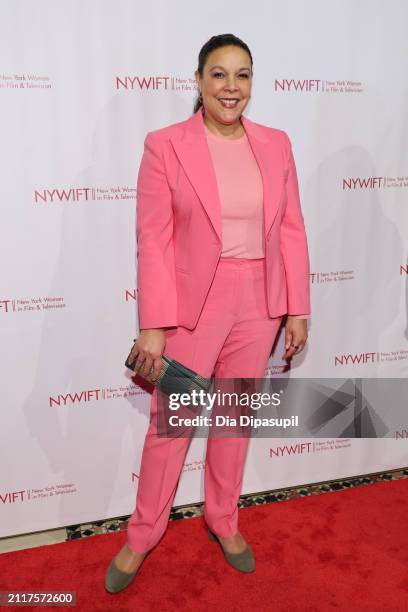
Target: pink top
240,190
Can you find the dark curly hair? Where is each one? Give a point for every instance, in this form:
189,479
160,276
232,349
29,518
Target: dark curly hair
215,42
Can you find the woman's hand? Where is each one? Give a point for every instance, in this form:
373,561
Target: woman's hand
295,336
148,349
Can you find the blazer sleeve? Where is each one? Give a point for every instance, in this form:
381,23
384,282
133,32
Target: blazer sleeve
156,283
294,246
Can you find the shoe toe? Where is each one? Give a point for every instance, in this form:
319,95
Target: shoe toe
244,561
116,580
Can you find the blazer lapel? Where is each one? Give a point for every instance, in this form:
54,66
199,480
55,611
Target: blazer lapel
193,153
269,158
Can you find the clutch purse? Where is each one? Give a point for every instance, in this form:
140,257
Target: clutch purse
174,377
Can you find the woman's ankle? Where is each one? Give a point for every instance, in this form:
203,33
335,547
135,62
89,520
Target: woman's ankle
132,550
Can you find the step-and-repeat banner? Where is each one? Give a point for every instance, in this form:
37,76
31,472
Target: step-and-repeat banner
81,83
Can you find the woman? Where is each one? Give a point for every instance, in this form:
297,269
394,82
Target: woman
222,257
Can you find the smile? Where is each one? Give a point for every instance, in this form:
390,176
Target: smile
228,102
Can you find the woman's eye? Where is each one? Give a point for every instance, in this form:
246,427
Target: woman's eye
217,74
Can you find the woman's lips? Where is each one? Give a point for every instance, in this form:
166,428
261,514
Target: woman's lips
228,102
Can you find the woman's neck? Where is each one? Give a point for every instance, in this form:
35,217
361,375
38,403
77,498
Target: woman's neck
231,132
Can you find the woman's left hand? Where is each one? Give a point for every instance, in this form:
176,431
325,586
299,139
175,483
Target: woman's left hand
295,336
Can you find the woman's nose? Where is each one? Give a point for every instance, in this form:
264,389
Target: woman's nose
231,85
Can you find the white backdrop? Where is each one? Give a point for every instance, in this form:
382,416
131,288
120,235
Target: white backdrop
81,82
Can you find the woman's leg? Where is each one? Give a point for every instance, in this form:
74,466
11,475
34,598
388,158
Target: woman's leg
163,458
245,353
160,468
207,348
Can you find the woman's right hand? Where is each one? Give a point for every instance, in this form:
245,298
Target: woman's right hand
148,349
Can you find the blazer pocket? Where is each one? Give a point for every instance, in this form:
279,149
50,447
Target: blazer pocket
181,270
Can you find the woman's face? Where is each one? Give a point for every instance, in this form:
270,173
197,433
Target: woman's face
226,75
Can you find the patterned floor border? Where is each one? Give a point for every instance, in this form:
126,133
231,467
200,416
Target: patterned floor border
75,532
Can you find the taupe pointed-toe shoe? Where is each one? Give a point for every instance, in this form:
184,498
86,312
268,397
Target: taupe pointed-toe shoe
116,580
243,561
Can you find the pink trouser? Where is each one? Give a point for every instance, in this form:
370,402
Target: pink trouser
233,338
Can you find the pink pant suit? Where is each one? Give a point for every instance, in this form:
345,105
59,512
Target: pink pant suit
233,338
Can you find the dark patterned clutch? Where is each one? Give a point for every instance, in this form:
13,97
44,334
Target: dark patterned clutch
175,377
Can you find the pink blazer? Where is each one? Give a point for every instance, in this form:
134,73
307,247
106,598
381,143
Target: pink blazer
178,224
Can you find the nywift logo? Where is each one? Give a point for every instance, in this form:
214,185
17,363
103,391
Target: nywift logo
25,495
77,398
371,182
374,182
153,83
80,195
369,358
356,358
317,86
95,395
307,448
291,449
289,85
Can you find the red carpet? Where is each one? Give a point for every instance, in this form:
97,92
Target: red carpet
343,551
